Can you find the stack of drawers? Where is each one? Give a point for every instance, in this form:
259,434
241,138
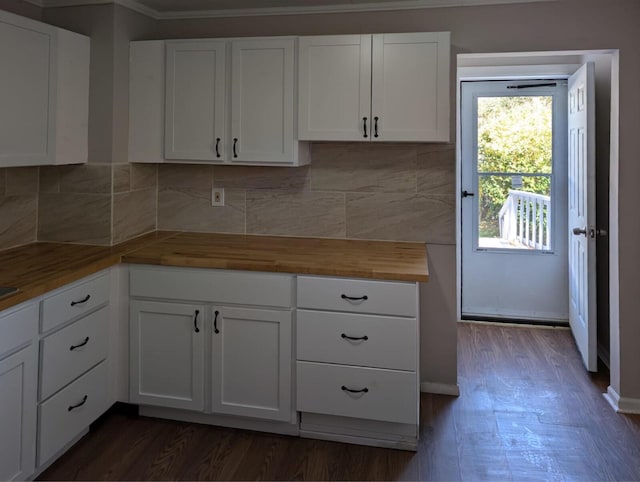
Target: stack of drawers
74,384
357,349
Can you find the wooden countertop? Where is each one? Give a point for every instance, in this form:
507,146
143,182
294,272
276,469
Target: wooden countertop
41,267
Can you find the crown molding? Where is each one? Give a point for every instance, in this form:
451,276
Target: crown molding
264,11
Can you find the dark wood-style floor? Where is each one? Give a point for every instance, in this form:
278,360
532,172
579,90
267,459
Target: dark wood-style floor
528,411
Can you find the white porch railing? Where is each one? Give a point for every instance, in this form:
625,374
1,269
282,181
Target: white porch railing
525,219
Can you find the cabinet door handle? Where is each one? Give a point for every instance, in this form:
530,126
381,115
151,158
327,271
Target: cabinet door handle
375,126
355,338
235,144
82,301
350,390
215,322
195,321
355,298
73,347
364,120
217,147
79,404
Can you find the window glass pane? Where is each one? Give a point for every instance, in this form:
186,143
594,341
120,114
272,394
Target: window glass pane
515,134
514,212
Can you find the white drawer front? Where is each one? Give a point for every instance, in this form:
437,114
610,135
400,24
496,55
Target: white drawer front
18,328
390,396
75,301
70,411
377,297
70,352
380,341
219,286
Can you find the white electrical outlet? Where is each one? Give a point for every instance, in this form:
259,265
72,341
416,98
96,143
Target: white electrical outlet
217,196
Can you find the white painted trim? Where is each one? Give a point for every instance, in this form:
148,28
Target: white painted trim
251,12
440,388
622,404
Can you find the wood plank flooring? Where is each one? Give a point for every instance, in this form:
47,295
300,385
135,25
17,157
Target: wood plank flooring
527,411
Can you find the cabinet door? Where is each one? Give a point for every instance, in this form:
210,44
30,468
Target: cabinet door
335,88
18,382
27,87
263,94
410,87
195,100
251,364
167,354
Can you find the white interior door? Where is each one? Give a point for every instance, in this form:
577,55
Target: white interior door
582,210
514,200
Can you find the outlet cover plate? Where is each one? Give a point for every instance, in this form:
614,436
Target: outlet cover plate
217,196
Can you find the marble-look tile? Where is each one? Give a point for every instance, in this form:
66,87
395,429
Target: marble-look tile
401,217
358,167
121,178
258,177
86,178
179,176
290,213
75,217
21,181
144,176
50,178
134,213
437,172
3,173
189,209
18,220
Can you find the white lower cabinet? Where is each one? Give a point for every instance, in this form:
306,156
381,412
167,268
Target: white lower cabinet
18,381
251,362
167,354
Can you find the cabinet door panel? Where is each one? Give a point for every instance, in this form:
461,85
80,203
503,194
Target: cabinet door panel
252,363
335,88
27,83
167,355
262,100
410,90
195,100
18,415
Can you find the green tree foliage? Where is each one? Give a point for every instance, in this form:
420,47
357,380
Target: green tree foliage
515,136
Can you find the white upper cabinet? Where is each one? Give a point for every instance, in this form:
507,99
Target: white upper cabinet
215,101
263,96
44,93
195,100
383,87
335,87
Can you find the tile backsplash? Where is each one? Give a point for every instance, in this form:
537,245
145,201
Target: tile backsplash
402,192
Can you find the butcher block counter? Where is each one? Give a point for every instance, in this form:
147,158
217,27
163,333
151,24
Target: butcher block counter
41,267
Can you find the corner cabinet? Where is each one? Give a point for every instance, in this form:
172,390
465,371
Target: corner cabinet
251,362
44,93
381,87
225,101
167,354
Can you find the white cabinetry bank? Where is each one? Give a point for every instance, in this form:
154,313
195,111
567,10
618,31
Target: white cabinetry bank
44,93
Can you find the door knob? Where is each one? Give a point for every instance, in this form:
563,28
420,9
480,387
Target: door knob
578,231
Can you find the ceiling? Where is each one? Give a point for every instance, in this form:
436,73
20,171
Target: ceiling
233,8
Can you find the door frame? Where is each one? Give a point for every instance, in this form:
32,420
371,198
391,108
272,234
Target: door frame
541,65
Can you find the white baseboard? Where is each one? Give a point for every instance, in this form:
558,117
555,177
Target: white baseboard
440,388
622,404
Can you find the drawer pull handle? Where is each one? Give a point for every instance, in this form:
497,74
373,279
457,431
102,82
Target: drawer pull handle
82,301
77,405
217,147
215,322
345,389
355,338
235,145
73,347
195,321
376,126
355,298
